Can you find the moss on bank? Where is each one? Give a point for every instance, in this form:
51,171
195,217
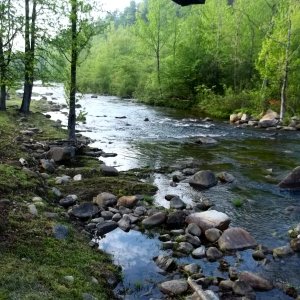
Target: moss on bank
33,262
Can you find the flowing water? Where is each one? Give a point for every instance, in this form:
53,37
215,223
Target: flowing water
119,126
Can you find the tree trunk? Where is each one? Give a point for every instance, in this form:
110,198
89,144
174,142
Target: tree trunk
3,97
286,73
72,110
29,55
2,75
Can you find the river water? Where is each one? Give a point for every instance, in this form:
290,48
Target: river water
119,126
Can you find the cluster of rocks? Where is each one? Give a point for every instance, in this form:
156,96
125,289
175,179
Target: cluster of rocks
270,120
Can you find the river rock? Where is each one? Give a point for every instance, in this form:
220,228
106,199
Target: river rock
258,255
176,220
128,201
270,119
245,118
61,154
185,248
77,177
255,281
242,288
47,165
125,223
177,203
85,210
282,251
166,263
116,217
226,285
193,240
109,171
199,252
154,220
174,287
106,227
32,209
203,180
206,141
107,215
105,200
225,177
295,244
209,219
233,118
167,245
169,197
213,254
60,231
236,239
292,181
68,201
140,211
191,269
193,229
213,234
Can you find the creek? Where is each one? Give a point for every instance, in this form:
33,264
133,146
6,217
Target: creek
167,139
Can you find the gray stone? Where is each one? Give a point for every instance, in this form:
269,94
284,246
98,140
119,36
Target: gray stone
213,254
209,219
191,269
61,154
77,177
56,192
194,240
125,223
258,255
98,220
106,227
174,287
106,215
68,201
166,263
256,281
32,209
177,203
241,288
295,244
60,232
270,119
225,177
85,210
69,279
292,180
47,165
193,229
203,180
185,248
199,252
233,118
105,200
236,239
213,234
154,220
109,171
167,245
140,211
177,232
226,285
63,179
164,237
116,217
205,140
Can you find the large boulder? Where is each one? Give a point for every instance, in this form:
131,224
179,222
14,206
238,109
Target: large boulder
292,180
270,119
255,281
109,171
236,239
105,200
154,220
61,154
203,180
106,227
85,210
209,219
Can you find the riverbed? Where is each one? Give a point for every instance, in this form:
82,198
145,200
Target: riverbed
145,136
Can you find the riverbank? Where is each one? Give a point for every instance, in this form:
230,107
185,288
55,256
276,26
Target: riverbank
44,254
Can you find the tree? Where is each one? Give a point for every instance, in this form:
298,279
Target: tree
10,26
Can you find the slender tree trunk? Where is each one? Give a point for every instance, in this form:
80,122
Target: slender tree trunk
72,109
285,74
29,55
2,77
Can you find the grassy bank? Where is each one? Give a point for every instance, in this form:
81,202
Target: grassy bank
34,264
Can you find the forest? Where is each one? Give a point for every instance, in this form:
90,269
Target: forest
217,58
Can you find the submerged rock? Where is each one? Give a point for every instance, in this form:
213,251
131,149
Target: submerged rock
206,141
236,239
292,180
256,281
209,219
282,251
203,180
225,177
166,263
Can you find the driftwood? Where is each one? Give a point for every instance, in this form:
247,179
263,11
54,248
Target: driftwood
200,293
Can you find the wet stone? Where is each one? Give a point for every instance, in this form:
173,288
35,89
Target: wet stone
241,288
213,234
177,203
193,229
106,215
106,227
282,251
85,210
199,252
174,287
191,269
185,248
213,254
166,263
